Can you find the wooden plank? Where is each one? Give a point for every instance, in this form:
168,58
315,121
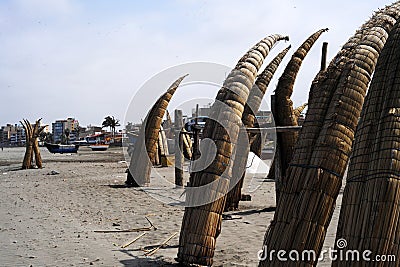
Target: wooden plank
277,156
278,129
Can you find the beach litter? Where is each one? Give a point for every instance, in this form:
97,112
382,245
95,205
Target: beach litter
157,247
133,241
151,227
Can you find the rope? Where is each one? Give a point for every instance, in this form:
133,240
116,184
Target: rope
364,178
317,167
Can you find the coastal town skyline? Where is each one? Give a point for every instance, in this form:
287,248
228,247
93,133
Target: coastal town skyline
88,60
200,133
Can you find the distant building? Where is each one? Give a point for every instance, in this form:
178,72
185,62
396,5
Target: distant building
203,111
132,127
90,130
58,130
12,135
264,118
60,126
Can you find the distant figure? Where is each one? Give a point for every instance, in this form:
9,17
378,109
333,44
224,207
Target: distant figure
1,148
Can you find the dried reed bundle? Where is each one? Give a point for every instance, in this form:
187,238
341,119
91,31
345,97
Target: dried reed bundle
145,152
201,224
283,113
253,104
32,144
314,176
370,208
187,144
296,113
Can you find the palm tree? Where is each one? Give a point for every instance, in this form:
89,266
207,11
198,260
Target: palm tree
46,137
112,123
65,136
106,122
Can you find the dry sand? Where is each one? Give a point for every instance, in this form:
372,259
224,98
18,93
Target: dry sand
50,220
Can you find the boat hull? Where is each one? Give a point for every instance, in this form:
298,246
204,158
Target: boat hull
57,148
99,147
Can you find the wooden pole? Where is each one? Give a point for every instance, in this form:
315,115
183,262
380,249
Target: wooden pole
277,157
178,148
196,131
277,129
323,56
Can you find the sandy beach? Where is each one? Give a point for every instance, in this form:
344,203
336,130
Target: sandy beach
49,216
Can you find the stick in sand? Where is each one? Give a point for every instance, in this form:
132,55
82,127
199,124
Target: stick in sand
151,224
133,241
154,250
124,231
129,230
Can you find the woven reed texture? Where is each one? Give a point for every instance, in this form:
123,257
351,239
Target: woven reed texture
371,202
201,225
296,113
315,173
32,144
283,113
162,143
29,133
256,142
253,104
145,151
187,145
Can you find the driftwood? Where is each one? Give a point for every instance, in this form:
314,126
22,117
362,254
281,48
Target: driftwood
157,247
132,241
140,229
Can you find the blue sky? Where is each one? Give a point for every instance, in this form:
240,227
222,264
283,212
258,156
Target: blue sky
62,58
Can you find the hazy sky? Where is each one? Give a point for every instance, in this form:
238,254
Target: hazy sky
86,59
